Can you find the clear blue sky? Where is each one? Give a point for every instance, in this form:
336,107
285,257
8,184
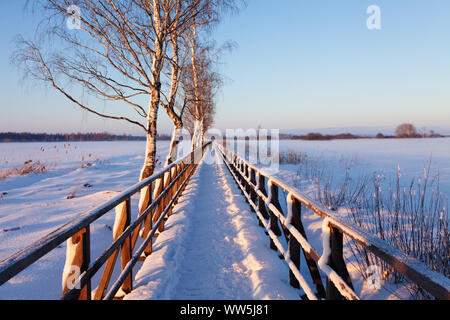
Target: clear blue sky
299,64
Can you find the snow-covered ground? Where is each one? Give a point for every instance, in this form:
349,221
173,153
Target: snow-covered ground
37,204
384,156
213,248
212,228
363,157
31,206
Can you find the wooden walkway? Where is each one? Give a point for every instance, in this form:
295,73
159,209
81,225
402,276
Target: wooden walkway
212,247
209,243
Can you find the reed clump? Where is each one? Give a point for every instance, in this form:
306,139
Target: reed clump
28,167
411,215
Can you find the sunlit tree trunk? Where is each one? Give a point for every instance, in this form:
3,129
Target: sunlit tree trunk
150,150
157,63
197,135
172,156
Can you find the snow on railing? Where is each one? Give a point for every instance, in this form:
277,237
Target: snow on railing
339,286
78,269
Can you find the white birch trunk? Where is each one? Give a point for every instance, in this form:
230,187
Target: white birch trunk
196,135
202,133
172,156
150,151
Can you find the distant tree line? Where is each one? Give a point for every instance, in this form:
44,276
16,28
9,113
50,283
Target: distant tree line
408,130
70,137
319,136
405,130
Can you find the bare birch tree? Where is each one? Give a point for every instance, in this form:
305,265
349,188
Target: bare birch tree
201,83
183,49
118,55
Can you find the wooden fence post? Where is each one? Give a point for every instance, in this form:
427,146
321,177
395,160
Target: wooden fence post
246,175
159,187
239,171
253,196
337,263
165,200
261,203
177,184
77,262
183,177
235,166
172,191
273,220
121,222
293,244
294,251
144,202
148,222
124,211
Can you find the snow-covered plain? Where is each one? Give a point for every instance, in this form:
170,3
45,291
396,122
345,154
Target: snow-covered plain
36,204
384,155
384,158
361,158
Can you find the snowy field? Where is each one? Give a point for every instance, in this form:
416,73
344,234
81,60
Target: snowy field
383,159
80,176
363,158
90,173
383,156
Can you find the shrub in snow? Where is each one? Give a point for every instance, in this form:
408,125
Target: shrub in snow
27,168
411,216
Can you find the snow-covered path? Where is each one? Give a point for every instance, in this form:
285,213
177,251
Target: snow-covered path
212,247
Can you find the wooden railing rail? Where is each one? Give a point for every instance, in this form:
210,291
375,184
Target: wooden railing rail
265,203
79,269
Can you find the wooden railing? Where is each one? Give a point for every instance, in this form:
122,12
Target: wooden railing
79,268
265,203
